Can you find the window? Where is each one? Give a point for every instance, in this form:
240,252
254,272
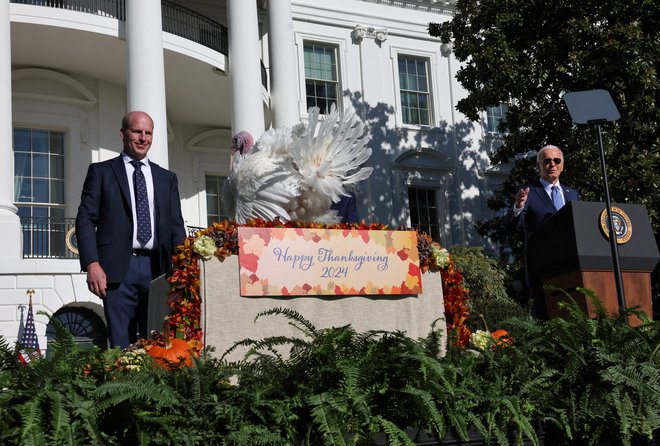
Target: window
494,115
424,211
414,88
39,190
321,78
217,209
85,326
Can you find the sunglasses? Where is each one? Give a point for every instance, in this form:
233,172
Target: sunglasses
547,161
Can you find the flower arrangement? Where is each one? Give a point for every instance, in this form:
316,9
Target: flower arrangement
221,240
483,339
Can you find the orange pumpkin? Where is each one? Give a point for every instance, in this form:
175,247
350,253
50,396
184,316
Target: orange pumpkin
175,352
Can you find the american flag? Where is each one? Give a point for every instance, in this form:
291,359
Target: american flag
29,346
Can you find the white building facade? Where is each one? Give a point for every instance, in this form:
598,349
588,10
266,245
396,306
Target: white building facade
205,69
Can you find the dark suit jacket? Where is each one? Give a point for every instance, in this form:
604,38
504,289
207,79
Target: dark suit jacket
346,208
539,207
104,224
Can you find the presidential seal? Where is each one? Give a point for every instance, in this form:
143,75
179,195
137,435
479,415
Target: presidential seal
622,225
70,240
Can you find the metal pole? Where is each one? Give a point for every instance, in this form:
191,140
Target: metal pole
613,243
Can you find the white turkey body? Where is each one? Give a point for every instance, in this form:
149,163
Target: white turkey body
296,174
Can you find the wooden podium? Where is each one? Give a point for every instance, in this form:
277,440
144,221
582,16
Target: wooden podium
571,250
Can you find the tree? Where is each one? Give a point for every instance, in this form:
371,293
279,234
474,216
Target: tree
527,53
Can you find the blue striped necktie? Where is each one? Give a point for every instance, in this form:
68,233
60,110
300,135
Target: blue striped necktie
141,204
556,197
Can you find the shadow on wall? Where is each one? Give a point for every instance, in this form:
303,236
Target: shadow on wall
458,177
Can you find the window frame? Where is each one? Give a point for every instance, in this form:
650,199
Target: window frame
425,169
219,195
415,92
487,114
337,84
341,45
48,178
432,64
51,215
438,211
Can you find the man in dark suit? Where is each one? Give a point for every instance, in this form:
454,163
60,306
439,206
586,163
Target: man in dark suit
535,204
128,224
346,208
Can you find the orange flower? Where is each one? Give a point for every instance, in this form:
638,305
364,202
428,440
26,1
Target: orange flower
501,338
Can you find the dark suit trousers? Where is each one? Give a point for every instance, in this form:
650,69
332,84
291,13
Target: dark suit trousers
126,303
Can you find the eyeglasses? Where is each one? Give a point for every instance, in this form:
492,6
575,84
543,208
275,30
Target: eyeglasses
547,161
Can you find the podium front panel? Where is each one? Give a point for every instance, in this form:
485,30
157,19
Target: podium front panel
572,239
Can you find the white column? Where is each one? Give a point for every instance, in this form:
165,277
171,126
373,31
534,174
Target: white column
10,225
146,70
245,67
283,65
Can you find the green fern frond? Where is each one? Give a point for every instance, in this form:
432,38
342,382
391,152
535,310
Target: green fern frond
255,435
297,320
433,415
395,436
59,417
270,343
64,343
324,410
31,418
139,388
521,421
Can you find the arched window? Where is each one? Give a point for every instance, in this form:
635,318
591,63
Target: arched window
86,327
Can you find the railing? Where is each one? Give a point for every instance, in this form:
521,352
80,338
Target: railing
190,25
177,20
49,238
105,8
193,229
55,238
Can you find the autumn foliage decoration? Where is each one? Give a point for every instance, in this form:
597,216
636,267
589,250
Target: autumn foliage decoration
456,308
185,300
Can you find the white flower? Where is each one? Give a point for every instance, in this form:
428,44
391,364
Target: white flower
132,360
204,246
481,339
440,255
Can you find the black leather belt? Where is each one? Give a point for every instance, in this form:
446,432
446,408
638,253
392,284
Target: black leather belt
141,252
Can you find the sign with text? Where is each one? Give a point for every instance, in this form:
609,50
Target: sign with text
314,261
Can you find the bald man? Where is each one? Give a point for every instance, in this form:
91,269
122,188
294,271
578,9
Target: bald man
128,224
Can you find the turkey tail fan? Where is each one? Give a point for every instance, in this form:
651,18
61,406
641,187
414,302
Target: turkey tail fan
331,150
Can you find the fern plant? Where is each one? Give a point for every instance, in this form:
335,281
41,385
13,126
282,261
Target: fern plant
50,402
595,381
348,386
605,384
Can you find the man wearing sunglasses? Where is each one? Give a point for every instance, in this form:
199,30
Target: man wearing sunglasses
534,204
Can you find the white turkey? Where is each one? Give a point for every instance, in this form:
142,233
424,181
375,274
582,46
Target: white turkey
296,173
